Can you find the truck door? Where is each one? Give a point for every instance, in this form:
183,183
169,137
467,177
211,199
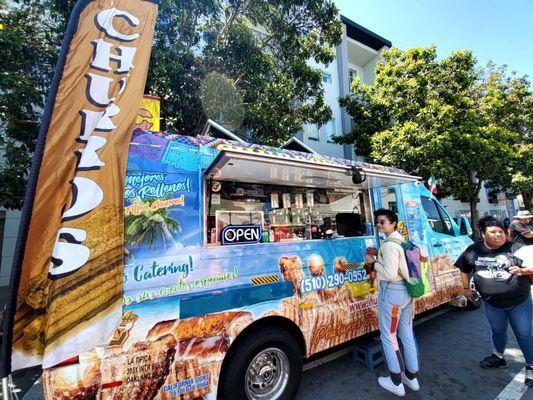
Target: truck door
443,233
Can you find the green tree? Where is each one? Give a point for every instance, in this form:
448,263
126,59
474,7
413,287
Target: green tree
28,51
222,101
261,47
522,181
508,103
447,117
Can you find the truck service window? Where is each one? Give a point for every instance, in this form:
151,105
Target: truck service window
285,213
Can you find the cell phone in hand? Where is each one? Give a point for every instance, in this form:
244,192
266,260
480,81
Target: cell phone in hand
515,261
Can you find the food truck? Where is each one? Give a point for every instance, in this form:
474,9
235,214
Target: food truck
241,261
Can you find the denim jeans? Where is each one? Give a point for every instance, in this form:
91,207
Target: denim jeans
521,319
395,315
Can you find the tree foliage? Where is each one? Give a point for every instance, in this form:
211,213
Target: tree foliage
259,50
522,181
444,117
262,47
28,51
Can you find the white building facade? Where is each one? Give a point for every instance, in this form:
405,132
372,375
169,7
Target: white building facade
9,225
357,55
498,205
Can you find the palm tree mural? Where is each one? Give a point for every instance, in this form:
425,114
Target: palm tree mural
150,227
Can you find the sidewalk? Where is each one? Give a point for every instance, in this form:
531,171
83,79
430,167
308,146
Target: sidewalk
451,346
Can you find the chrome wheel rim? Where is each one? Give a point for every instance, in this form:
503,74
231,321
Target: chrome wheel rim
267,375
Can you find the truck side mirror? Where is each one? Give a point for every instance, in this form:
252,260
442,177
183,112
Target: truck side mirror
464,226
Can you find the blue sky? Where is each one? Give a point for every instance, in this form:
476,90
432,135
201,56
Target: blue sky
497,30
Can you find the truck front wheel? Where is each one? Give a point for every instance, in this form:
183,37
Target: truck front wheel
267,364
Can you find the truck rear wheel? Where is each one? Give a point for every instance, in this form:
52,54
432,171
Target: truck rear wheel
267,364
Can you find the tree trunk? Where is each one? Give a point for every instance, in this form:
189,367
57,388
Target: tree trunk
475,187
474,218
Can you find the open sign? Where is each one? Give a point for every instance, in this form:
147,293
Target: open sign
237,234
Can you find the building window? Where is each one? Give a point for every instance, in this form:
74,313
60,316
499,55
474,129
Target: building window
326,77
353,74
330,130
498,214
312,132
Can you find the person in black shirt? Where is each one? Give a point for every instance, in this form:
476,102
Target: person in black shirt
505,289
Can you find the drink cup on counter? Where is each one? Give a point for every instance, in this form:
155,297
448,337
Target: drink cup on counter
265,238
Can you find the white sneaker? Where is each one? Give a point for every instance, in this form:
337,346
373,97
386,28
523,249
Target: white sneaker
387,384
411,383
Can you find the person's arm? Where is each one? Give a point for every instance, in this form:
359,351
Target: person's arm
370,259
388,264
521,271
466,270
523,265
527,234
467,291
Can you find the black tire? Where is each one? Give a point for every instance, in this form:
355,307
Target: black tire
475,303
240,358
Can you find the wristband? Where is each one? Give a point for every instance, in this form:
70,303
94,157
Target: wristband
467,288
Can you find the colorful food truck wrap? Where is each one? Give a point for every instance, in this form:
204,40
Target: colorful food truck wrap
432,229
220,236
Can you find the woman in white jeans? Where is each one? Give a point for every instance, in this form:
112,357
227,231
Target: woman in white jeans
395,307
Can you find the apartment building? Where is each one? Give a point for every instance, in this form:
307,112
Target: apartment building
9,224
491,202
356,55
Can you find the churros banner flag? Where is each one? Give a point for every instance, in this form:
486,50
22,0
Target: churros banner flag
69,262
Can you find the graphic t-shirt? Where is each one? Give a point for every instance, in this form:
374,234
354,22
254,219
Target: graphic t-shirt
493,281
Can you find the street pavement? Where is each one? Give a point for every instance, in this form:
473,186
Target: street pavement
451,346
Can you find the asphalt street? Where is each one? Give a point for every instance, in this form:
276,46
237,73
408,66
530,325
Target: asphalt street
451,346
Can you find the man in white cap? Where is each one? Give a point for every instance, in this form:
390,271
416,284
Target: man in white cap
521,235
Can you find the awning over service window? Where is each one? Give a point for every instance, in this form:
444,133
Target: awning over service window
261,164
